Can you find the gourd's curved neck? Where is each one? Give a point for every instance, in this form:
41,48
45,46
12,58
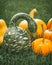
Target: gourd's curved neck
32,13
31,24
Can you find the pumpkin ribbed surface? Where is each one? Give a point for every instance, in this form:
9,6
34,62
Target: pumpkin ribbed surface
41,47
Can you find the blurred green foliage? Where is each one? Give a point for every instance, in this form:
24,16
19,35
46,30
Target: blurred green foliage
10,7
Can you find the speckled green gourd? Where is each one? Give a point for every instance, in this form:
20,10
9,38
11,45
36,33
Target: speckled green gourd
15,40
16,35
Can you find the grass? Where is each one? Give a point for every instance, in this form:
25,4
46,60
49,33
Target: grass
10,7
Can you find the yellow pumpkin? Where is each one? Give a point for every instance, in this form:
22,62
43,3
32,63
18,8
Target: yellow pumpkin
3,28
41,47
23,24
39,22
1,39
48,32
49,24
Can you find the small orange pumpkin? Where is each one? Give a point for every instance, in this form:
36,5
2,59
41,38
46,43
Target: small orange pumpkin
48,32
3,28
49,24
1,39
41,47
23,24
39,27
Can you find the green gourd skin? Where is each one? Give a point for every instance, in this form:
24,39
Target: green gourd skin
15,40
17,35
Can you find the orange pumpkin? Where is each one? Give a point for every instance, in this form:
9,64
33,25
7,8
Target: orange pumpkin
3,28
48,32
23,24
41,47
1,39
39,23
39,27
49,24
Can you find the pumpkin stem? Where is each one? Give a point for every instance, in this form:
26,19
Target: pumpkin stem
32,13
43,32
